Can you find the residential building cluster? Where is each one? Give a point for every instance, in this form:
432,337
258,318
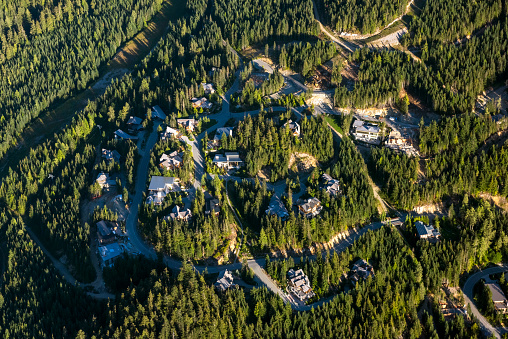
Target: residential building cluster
299,285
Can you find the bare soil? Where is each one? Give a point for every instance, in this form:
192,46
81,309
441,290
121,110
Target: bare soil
304,162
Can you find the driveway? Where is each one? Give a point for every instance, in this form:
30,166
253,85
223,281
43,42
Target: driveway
485,326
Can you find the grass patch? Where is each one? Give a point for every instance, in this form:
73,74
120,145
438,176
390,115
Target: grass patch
334,121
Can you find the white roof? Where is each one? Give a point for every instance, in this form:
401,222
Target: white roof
158,182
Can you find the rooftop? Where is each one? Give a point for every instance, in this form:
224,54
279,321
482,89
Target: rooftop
158,113
110,251
158,182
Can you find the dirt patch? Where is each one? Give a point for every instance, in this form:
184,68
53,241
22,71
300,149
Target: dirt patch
497,200
302,162
430,208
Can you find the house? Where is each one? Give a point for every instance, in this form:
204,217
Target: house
104,180
134,124
159,187
427,232
498,298
208,88
188,124
212,206
228,131
107,232
171,161
201,102
299,285
170,133
110,155
366,132
332,186
157,113
224,281
310,207
109,253
361,270
228,161
294,127
179,214
276,207
119,134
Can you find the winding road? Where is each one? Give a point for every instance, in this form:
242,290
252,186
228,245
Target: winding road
485,326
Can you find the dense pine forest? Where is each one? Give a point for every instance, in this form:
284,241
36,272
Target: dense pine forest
51,51
45,191
356,16
248,23
462,157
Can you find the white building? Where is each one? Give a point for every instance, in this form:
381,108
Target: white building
228,161
427,232
170,133
366,132
160,187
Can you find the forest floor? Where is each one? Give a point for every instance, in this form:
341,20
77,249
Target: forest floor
62,113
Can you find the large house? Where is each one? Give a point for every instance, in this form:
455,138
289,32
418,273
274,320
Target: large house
107,231
361,270
228,161
180,214
299,285
331,185
366,132
276,207
119,134
310,207
110,155
134,124
171,161
109,253
294,127
208,88
104,180
159,188
157,113
170,133
212,206
201,102
188,124
498,298
427,232
224,281
228,131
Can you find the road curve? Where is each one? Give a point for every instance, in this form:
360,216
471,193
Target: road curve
485,326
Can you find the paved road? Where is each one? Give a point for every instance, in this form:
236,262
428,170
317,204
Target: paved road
485,326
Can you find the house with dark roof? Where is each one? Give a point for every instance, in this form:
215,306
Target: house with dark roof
158,113
212,206
361,270
276,207
119,134
107,232
109,253
427,232
224,281
183,214
498,297
110,155
294,127
331,185
134,124
310,207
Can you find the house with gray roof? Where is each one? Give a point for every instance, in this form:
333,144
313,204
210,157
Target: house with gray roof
224,281
171,161
158,113
183,214
159,187
310,207
119,134
109,253
276,207
427,232
228,161
498,297
299,285
110,155
366,132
